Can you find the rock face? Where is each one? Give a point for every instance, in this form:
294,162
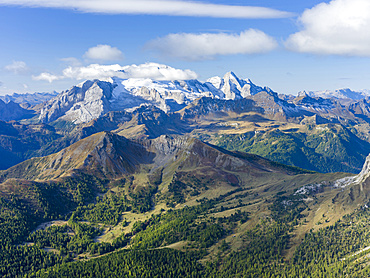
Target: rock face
266,103
82,103
314,104
276,108
362,107
235,88
91,99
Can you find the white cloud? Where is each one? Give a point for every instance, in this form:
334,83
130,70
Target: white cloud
207,45
1,83
95,71
17,67
47,77
103,52
155,7
340,27
158,72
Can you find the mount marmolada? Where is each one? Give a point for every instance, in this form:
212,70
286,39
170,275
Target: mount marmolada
146,178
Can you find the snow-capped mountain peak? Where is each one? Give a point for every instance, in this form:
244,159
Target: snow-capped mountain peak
234,87
90,99
337,94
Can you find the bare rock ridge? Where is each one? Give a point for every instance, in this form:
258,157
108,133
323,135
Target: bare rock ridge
235,88
106,154
81,103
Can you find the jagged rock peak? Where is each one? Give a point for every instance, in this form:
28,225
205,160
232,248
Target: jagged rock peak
82,103
91,99
230,75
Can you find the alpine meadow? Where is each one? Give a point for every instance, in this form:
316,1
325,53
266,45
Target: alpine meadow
116,160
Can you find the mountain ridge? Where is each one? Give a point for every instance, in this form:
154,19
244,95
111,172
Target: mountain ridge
92,99
108,156
158,191
31,99
139,108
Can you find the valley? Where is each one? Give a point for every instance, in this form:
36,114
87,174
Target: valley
176,193
216,179
184,139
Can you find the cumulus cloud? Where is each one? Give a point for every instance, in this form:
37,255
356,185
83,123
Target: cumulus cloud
95,71
158,72
17,67
155,7
189,46
103,52
340,27
47,77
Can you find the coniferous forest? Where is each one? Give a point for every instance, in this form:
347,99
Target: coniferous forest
114,164
188,241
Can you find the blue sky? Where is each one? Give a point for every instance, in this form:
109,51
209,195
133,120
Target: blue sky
288,46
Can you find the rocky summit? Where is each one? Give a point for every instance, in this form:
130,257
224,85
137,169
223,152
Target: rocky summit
91,99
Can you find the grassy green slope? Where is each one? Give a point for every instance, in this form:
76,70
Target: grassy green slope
227,214
324,148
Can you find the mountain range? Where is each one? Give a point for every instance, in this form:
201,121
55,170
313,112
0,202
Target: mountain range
92,99
184,178
343,94
28,99
230,112
146,191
